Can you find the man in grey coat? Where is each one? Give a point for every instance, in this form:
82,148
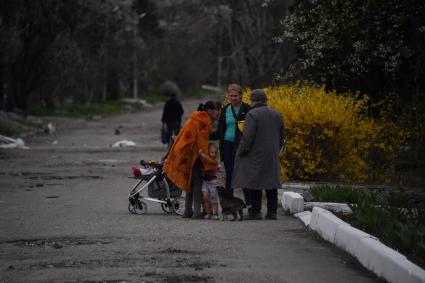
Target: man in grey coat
257,164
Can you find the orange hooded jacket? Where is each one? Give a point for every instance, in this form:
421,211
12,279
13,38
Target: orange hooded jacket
194,136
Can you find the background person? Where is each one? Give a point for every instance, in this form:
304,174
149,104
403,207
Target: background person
257,164
183,165
172,115
229,135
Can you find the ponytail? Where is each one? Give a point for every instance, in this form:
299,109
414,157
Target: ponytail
209,105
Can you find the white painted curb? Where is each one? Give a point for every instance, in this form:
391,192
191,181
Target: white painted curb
372,254
325,223
388,263
349,238
292,202
304,216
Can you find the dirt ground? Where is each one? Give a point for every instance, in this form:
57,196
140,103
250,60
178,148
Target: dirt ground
64,218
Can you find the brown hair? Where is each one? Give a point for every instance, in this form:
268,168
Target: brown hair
234,87
209,105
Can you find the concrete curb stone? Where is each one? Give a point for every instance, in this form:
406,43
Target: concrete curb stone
292,202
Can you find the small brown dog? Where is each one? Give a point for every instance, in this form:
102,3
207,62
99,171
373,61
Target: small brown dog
230,205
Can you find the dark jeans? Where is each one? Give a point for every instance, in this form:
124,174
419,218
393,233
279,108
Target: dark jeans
228,154
173,127
195,195
229,162
247,197
271,200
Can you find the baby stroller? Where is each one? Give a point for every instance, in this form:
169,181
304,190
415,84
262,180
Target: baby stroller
160,190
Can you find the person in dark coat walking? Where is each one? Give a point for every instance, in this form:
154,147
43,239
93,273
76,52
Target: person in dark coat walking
229,134
257,164
172,115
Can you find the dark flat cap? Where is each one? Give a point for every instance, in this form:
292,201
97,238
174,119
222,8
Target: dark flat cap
258,95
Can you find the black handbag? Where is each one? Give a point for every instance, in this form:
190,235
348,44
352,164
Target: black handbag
165,136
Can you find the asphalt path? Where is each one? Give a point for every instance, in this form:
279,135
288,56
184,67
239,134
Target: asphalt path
64,218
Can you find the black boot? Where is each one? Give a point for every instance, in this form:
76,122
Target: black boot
254,215
187,214
271,204
271,215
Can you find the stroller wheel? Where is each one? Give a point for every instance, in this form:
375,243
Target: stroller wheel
131,208
167,207
178,205
137,206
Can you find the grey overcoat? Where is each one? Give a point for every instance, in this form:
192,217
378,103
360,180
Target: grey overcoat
257,164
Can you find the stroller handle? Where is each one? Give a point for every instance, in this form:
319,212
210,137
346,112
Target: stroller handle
151,163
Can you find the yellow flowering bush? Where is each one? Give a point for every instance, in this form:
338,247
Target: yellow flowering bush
330,137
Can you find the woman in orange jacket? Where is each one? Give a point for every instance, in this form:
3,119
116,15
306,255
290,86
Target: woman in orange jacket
183,165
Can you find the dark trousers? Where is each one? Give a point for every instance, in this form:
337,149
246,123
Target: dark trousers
173,128
228,153
271,200
247,197
194,197
229,163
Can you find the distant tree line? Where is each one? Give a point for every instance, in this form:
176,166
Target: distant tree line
87,51
55,50
82,51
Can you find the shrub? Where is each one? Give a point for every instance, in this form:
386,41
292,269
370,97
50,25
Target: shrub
330,136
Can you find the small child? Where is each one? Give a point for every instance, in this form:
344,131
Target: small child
209,184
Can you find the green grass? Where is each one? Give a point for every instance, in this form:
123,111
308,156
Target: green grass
28,123
6,129
337,194
82,110
14,126
104,109
153,97
194,93
40,111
